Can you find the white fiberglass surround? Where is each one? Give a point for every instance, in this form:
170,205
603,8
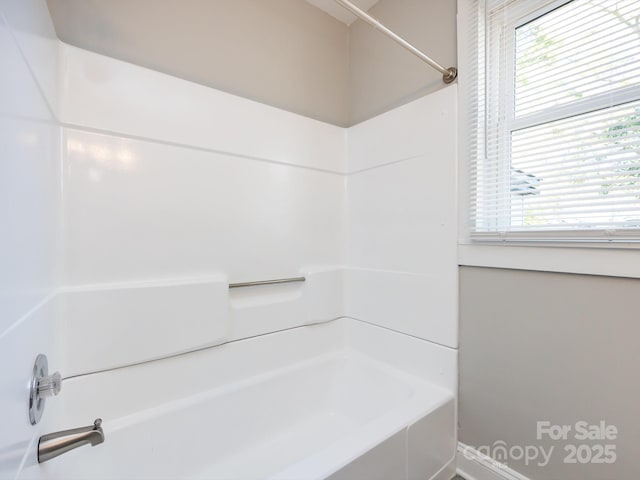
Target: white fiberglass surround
173,190
137,197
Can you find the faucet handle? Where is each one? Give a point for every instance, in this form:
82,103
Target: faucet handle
49,385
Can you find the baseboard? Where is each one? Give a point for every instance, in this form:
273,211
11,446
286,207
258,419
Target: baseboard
474,465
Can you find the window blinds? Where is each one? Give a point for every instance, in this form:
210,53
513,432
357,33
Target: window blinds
554,131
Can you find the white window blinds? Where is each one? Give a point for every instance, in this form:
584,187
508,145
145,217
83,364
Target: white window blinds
555,120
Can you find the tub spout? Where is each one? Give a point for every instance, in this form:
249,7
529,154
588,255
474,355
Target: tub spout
57,443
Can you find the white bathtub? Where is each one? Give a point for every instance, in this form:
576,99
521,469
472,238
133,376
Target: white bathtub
343,400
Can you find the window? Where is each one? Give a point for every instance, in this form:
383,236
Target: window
555,133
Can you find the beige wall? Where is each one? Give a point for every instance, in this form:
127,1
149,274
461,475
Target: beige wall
284,53
382,75
549,346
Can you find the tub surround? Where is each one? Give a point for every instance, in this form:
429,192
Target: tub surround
141,103
165,191
401,219
29,219
153,206
175,196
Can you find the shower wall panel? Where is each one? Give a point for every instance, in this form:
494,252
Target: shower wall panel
401,217
29,190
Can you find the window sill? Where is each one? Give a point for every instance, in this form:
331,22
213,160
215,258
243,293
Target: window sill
607,260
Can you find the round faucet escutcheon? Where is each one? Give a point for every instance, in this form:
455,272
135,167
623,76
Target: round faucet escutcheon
42,385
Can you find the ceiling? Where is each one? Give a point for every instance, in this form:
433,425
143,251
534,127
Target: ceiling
339,12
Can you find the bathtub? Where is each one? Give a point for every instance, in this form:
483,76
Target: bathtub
340,400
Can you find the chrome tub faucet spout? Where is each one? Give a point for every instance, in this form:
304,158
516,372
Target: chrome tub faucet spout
57,443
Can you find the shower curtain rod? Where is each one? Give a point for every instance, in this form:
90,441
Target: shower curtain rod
448,74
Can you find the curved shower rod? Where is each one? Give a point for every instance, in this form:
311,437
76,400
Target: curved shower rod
448,74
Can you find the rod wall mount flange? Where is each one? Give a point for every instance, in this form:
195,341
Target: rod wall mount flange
451,75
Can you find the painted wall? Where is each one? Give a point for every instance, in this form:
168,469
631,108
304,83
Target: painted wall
29,189
285,53
382,75
537,346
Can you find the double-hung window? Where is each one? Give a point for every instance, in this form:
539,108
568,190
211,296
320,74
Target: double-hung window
554,136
